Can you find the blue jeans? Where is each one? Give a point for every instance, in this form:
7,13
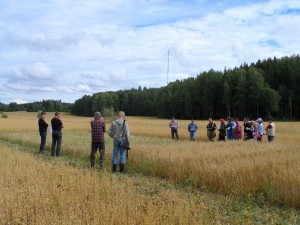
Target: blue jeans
230,134
56,141
118,150
43,141
193,136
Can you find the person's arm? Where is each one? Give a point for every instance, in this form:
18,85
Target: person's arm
214,126
127,131
104,127
110,130
44,124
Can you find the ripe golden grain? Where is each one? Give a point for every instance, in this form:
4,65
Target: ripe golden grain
270,170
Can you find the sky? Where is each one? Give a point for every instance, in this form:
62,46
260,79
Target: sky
64,49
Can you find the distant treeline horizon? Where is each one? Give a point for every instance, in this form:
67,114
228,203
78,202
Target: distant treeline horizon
44,105
268,88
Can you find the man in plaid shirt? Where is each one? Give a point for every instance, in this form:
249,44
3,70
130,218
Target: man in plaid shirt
98,130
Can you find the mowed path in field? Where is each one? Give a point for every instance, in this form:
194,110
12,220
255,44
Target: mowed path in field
158,156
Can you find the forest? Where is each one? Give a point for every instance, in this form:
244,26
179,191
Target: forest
44,105
268,89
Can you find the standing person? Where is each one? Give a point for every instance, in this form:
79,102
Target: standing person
230,127
118,130
237,132
192,128
211,129
43,131
260,129
270,129
174,127
222,130
98,129
57,125
247,129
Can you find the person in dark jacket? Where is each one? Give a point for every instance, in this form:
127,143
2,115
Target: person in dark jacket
222,130
57,125
247,129
43,131
211,130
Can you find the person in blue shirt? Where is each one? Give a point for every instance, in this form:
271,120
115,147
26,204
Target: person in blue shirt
260,129
230,127
192,128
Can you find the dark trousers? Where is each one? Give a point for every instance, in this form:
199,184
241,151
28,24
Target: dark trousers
43,140
174,132
95,147
271,138
56,141
221,138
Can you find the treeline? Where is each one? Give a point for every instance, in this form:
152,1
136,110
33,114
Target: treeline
268,88
45,105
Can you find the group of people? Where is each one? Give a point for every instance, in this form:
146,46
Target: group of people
119,131
56,127
233,129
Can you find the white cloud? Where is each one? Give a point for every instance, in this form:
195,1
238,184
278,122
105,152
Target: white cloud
64,49
19,101
44,43
37,70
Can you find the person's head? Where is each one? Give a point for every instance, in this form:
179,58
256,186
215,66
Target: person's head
236,119
222,120
246,119
97,115
121,114
210,119
192,120
43,115
228,118
259,120
57,114
270,120
172,118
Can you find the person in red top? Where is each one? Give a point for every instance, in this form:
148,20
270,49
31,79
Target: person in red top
237,132
98,130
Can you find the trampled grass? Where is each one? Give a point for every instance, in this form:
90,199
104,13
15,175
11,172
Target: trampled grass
266,173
